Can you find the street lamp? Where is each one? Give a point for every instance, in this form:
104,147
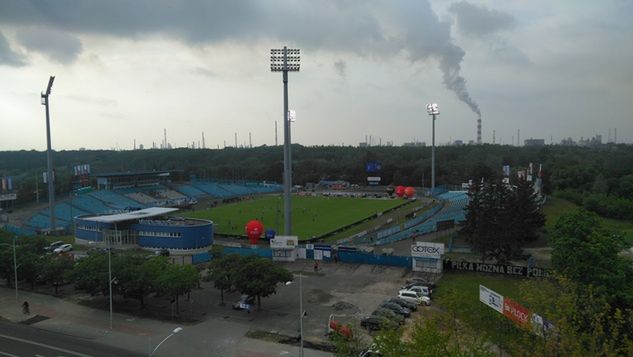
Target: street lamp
49,154
286,60
433,109
175,331
15,267
301,313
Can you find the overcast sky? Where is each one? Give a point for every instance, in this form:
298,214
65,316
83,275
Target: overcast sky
126,70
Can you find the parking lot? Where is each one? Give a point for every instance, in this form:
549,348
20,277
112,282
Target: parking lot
346,290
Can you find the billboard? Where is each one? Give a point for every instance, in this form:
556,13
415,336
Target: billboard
516,312
491,298
6,184
427,250
373,166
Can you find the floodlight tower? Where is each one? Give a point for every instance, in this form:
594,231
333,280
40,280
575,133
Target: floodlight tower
49,155
286,60
433,109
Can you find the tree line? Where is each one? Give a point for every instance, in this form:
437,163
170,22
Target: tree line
604,170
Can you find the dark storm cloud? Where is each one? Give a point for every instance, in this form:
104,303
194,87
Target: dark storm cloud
360,27
479,21
59,46
8,56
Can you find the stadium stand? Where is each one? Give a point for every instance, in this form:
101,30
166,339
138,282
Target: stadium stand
190,191
90,204
214,189
114,199
141,198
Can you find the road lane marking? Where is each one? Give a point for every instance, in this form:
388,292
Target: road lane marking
45,346
8,354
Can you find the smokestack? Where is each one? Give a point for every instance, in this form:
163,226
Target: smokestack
479,130
275,133
204,146
250,143
615,135
235,139
165,134
518,137
493,137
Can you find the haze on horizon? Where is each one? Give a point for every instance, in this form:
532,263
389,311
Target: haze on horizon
125,70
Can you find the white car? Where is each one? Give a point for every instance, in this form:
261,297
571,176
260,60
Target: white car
63,248
421,290
412,296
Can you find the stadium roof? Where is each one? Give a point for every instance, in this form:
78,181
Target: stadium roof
128,216
136,173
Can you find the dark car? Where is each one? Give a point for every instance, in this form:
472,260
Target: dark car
374,323
244,303
381,311
409,305
396,308
420,281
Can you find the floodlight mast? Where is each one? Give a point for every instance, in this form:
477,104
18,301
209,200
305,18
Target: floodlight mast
433,109
286,60
49,155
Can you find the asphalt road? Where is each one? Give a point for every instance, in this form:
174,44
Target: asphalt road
20,340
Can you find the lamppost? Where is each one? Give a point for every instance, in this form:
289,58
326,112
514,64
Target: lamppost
286,60
175,331
49,155
433,109
15,267
301,313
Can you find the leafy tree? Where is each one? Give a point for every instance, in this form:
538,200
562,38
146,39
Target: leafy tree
176,280
55,270
90,274
350,345
585,324
259,277
137,275
584,252
222,271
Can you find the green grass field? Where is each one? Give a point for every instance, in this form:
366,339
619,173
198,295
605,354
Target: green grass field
458,294
311,216
556,207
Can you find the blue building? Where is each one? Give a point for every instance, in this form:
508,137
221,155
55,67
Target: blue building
149,229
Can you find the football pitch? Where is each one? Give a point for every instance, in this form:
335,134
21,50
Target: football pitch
311,216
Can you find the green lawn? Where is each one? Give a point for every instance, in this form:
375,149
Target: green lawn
458,294
311,216
556,207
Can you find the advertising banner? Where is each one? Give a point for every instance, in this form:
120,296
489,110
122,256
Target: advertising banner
491,298
427,250
516,312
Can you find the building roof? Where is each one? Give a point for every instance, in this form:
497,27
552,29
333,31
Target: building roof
135,173
129,216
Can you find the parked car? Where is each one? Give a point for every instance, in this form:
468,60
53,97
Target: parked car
244,303
421,290
420,281
374,323
409,286
409,305
413,297
403,311
63,248
381,311
53,246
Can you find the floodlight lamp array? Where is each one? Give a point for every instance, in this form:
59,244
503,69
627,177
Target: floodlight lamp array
433,109
285,60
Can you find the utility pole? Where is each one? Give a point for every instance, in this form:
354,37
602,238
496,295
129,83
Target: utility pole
286,60
49,155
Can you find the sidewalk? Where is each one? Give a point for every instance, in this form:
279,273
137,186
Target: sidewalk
211,337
